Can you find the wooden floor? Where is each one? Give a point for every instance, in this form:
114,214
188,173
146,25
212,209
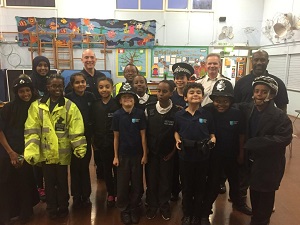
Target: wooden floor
287,202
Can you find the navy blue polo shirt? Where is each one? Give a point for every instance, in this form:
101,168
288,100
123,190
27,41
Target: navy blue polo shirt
178,100
129,126
229,126
195,127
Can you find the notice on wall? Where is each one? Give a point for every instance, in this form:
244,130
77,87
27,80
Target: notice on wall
163,58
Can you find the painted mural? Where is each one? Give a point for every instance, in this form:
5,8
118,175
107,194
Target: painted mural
118,33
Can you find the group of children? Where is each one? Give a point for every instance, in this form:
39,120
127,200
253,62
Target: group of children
135,129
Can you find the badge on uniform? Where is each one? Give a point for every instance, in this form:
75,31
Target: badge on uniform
59,125
134,120
201,120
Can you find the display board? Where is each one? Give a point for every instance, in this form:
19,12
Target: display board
138,57
163,58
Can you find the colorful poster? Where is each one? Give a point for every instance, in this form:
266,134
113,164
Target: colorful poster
118,33
138,57
163,58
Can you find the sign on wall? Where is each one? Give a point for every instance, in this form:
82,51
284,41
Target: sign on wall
163,58
138,57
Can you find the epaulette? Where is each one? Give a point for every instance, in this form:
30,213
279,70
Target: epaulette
224,77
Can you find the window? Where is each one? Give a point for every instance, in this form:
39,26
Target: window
140,4
175,4
168,5
30,3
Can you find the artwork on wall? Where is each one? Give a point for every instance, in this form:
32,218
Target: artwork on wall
118,33
164,57
138,57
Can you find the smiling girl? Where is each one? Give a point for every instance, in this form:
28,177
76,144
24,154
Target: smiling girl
80,174
18,193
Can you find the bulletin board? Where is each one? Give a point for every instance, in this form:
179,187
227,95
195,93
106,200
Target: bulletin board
163,58
138,57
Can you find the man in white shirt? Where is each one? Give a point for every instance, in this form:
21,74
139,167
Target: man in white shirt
213,65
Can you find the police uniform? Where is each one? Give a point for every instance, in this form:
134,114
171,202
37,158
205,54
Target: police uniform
161,142
208,85
101,117
130,154
194,131
179,69
229,126
50,138
80,174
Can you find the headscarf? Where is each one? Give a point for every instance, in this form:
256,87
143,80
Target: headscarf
19,108
40,82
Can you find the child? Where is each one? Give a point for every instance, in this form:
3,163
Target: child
140,88
101,116
18,192
161,145
230,132
182,73
194,135
39,76
269,131
129,72
129,126
53,128
80,173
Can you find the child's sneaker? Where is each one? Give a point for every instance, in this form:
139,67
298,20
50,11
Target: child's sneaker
110,201
42,194
151,213
166,213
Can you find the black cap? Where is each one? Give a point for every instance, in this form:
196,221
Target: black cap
222,88
22,81
182,69
127,89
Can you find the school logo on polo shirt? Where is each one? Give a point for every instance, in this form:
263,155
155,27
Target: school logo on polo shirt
169,122
135,120
110,115
202,120
233,122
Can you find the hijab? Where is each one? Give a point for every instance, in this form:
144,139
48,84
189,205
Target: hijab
40,82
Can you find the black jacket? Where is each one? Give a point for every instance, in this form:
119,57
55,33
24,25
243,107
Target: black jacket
267,146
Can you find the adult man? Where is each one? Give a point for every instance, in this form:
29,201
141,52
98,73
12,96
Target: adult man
243,89
213,65
92,75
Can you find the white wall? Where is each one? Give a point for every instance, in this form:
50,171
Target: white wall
273,8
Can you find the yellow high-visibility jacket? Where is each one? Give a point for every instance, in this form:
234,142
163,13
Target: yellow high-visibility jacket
50,137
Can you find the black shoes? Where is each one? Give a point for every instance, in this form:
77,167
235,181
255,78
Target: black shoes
166,213
125,217
222,189
195,220
243,209
135,217
186,220
151,213
205,221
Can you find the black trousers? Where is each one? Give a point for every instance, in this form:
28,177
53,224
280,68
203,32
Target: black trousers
129,182
109,171
18,193
159,179
38,175
262,206
80,175
218,165
193,185
176,179
56,186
